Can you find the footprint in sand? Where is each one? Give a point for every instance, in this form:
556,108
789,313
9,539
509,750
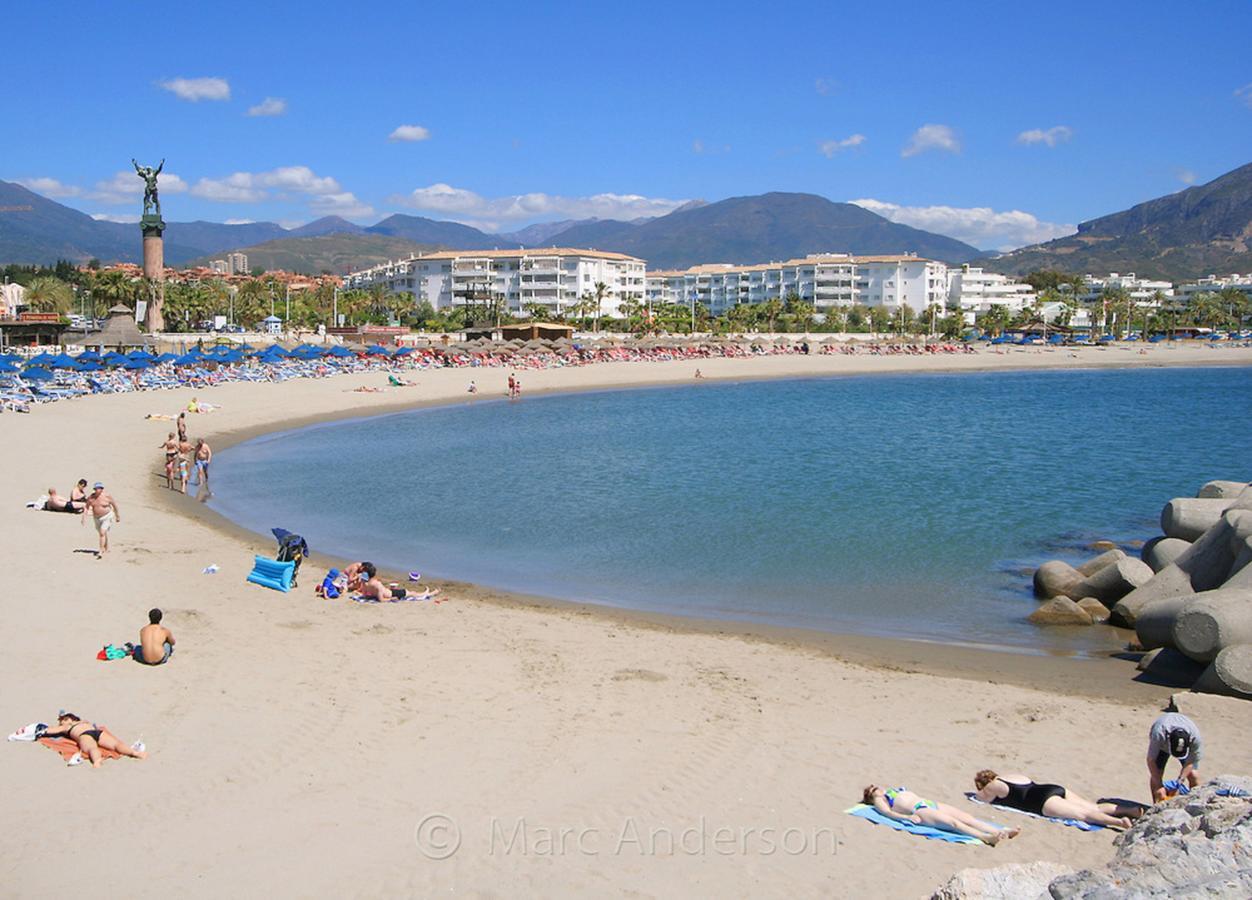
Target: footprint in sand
638,675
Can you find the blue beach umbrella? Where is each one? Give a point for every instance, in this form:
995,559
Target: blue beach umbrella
135,364
6,365
377,350
88,356
112,358
43,359
63,361
37,373
89,366
166,357
140,354
340,352
188,359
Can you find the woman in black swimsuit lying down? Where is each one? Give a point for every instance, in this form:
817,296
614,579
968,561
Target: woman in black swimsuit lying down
91,738
1018,792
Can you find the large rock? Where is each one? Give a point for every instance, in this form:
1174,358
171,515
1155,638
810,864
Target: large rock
1161,551
1208,623
1190,517
1010,882
1197,845
1155,625
1056,579
1199,707
1114,581
1218,490
1203,567
1097,610
1060,611
1229,674
1095,564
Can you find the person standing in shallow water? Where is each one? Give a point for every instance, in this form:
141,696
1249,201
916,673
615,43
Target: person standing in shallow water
204,456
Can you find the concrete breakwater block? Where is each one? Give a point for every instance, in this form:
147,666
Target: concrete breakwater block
1190,517
1229,674
1161,551
1055,579
1060,611
1203,567
1208,623
1155,625
1165,665
1219,490
1115,581
1107,558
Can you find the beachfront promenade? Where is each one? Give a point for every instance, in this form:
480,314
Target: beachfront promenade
308,747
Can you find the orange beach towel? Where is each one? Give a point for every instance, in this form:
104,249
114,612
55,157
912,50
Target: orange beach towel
67,748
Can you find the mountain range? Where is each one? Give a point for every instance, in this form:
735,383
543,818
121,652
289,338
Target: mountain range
34,229
1202,230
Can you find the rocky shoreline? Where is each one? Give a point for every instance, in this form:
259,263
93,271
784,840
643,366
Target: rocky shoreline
1188,596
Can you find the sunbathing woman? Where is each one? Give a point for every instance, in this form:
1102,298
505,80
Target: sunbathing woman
902,804
1018,792
92,738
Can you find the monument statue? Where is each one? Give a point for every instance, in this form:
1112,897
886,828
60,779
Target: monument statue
151,202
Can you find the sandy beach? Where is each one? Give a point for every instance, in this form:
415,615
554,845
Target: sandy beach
303,747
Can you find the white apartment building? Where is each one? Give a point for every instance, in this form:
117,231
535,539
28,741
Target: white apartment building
557,277
1215,284
972,291
237,263
11,297
1141,290
826,280
219,267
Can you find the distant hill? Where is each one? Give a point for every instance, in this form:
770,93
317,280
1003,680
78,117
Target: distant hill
337,253
1206,229
759,229
537,235
326,225
445,234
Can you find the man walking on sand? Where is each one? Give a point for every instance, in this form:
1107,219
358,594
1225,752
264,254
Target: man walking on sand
103,509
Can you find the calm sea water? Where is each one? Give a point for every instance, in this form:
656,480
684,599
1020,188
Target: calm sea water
899,505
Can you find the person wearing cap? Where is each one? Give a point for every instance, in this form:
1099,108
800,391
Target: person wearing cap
1173,734
103,509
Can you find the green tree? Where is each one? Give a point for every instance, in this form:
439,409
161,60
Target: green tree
879,319
770,311
114,287
49,295
994,320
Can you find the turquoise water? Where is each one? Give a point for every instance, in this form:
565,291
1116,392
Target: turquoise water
907,505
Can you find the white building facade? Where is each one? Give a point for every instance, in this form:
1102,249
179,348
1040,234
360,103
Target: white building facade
556,278
1215,284
972,291
11,297
827,280
1141,290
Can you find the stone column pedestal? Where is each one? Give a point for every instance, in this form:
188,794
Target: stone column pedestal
154,269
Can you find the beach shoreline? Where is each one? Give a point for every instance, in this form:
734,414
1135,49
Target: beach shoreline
299,744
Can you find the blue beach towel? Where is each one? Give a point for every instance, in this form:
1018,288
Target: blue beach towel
861,811
1073,823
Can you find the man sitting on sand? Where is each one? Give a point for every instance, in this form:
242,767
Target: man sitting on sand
103,509
156,643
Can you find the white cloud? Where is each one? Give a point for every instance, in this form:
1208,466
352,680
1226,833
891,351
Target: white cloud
50,187
825,86
981,226
699,147
1186,176
409,133
932,137
828,149
270,106
343,203
467,206
251,187
1057,134
110,217
197,89
126,185
239,222
1245,95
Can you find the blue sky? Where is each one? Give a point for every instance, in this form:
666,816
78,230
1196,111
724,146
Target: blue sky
997,123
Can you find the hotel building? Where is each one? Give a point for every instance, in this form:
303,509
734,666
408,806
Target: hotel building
556,278
1215,284
826,280
1141,290
972,291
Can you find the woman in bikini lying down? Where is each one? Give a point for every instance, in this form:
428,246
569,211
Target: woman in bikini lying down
92,738
1017,791
902,804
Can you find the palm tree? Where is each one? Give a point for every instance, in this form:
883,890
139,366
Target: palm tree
770,311
49,295
601,291
113,287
